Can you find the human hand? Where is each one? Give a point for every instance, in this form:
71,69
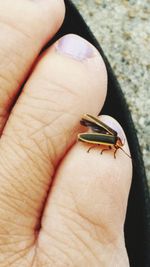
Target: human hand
59,206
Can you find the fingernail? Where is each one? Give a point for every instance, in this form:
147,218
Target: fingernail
75,47
111,122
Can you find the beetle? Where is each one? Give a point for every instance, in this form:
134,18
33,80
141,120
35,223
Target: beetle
102,135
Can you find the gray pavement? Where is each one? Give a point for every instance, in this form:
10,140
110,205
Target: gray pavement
123,29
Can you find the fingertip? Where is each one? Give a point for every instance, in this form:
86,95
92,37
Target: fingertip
82,57
114,163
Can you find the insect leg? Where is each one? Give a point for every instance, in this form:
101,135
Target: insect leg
91,148
106,149
116,148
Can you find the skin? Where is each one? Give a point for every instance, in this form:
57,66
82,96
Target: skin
59,206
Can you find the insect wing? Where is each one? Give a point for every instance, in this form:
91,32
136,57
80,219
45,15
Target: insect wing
96,125
96,138
93,126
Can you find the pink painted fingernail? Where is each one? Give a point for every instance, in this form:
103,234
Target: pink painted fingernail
114,125
76,47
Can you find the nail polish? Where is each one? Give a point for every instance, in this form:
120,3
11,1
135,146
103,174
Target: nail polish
76,47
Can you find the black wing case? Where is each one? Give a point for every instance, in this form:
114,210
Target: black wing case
95,138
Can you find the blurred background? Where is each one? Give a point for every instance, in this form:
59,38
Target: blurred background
123,30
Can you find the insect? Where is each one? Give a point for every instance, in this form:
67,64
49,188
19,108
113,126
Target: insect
102,135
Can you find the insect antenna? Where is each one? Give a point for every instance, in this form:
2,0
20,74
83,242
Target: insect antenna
125,152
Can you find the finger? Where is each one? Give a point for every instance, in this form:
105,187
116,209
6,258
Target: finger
67,82
87,206
25,26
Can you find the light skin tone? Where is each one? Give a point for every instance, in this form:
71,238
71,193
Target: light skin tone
59,205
